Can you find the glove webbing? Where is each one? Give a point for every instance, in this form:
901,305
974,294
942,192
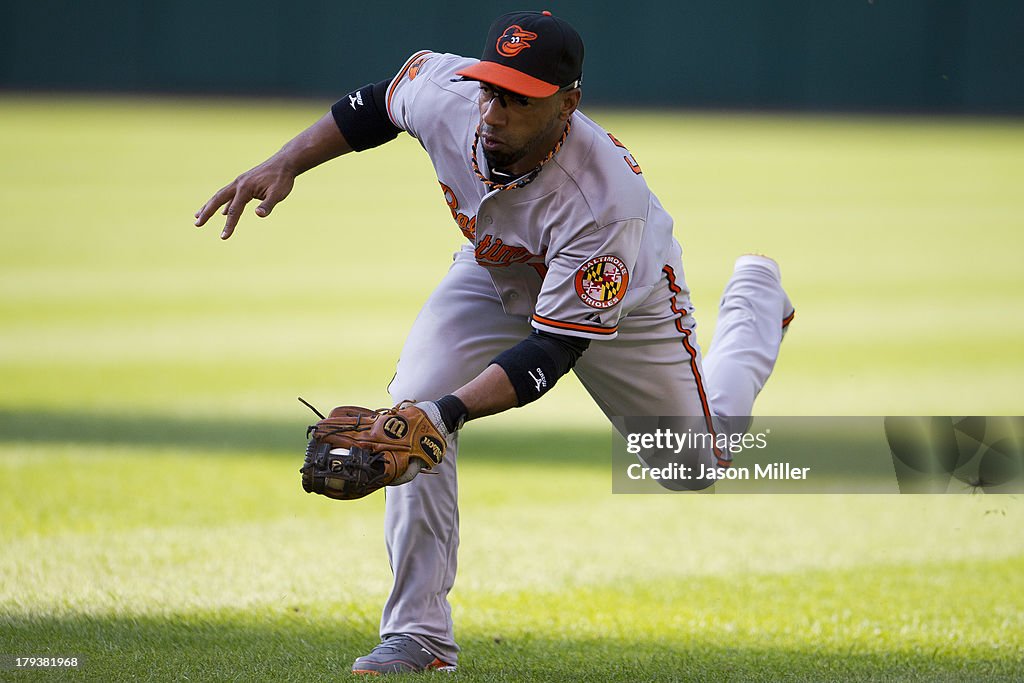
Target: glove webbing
360,467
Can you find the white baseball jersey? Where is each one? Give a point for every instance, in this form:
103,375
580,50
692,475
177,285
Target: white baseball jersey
578,248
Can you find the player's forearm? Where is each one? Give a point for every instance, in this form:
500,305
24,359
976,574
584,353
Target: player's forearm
318,144
488,393
518,376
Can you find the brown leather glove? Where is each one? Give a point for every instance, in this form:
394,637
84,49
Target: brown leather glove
355,451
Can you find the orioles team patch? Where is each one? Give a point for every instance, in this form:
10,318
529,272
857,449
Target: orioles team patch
514,40
601,282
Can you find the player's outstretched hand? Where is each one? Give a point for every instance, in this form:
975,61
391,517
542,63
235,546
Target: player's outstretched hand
270,182
273,180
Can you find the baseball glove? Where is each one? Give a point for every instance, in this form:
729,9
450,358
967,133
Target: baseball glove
355,451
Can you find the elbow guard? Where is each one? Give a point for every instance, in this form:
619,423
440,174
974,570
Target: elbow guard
362,117
536,363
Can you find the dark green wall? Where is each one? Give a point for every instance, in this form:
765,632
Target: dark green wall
886,55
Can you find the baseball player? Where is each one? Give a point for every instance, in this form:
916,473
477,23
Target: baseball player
569,263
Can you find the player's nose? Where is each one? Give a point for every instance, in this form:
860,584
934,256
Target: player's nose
492,113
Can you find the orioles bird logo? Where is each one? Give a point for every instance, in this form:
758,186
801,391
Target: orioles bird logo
514,40
414,68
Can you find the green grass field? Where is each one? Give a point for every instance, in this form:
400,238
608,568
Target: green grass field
151,518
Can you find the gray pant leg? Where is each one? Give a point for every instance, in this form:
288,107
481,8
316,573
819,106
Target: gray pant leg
460,329
643,385
747,340
421,531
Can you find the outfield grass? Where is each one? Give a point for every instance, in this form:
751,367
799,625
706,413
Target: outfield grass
151,518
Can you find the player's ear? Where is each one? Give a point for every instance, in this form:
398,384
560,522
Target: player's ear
570,100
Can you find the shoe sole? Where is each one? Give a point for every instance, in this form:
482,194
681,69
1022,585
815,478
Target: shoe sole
436,665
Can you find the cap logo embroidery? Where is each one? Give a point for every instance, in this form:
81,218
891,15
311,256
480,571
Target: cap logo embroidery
514,40
414,68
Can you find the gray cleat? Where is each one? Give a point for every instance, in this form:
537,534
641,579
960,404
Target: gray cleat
399,654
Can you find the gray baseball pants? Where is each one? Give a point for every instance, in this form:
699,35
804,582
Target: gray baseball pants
653,367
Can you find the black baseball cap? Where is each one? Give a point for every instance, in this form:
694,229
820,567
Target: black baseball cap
529,53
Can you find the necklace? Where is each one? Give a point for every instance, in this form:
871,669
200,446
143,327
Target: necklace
529,177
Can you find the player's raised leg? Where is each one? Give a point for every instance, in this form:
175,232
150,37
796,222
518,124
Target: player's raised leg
646,381
656,370
753,315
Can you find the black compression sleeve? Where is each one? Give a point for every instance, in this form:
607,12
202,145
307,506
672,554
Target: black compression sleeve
536,363
362,117
567,349
453,412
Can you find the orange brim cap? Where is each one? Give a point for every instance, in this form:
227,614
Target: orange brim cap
508,79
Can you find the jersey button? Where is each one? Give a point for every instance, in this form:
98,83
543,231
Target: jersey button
488,220
512,296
